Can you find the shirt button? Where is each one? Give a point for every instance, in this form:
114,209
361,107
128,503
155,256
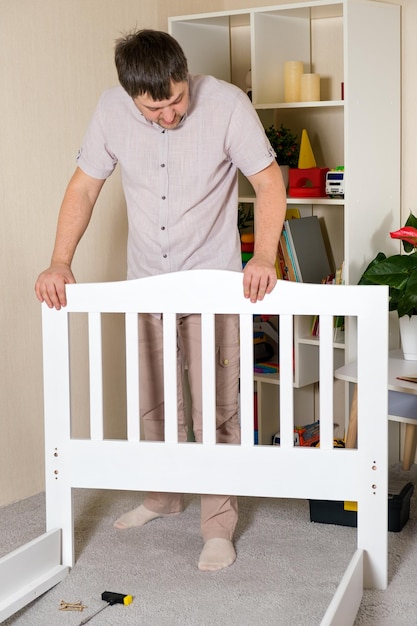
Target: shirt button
162,227
165,256
163,197
162,164
226,362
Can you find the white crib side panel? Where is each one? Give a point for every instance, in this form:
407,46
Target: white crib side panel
285,471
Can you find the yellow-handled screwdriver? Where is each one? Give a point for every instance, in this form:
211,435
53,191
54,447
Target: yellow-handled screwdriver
110,598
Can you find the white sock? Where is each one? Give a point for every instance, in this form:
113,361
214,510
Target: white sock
216,554
138,517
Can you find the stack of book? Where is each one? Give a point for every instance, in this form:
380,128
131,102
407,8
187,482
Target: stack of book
302,257
302,254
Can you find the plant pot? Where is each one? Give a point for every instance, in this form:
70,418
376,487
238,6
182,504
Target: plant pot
408,334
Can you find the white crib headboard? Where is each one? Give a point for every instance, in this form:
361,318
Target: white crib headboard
286,471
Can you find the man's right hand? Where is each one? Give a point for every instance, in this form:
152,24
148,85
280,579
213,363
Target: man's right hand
50,285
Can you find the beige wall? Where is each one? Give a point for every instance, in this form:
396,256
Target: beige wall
56,56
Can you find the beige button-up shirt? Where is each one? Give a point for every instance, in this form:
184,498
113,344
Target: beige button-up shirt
180,185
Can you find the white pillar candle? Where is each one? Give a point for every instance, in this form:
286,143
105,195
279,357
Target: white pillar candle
293,71
310,88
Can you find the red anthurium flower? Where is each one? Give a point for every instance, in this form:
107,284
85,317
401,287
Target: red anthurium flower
407,233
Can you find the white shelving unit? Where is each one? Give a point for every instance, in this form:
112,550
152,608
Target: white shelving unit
351,42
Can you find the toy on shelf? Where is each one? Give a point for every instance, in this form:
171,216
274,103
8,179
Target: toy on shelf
335,182
266,368
306,159
307,181
308,435
247,242
265,344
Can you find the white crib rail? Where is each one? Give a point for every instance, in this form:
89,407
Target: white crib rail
247,469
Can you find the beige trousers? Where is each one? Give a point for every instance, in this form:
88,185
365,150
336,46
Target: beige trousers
218,512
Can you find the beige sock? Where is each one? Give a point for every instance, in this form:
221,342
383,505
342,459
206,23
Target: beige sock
216,554
138,517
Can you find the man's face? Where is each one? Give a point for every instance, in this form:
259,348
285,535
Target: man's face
166,113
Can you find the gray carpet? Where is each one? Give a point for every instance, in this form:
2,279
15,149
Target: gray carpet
286,573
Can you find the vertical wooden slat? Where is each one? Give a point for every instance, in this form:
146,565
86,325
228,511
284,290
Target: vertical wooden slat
56,374
132,376
57,413
286,377
208,370
326,382
96,376
246,380
372,400
170,377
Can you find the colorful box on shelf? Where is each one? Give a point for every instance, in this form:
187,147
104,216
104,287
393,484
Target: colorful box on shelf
307,183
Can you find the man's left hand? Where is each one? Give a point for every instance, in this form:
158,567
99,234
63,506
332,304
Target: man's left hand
259,278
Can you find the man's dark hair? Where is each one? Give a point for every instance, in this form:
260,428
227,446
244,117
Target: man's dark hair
147,61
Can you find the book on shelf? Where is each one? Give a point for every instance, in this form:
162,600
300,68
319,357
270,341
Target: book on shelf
284,264
308,251
302,257
338,320
338,328
284,254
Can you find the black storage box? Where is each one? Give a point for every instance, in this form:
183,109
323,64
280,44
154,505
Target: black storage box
334,512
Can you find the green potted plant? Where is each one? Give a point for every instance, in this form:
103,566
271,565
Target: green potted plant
285,144
399,272
286,147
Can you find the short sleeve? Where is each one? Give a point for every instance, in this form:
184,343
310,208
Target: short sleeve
94,156
247,143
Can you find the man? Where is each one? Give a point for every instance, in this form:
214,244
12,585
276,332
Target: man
179,140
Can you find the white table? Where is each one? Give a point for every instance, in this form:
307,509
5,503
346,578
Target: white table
402,401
